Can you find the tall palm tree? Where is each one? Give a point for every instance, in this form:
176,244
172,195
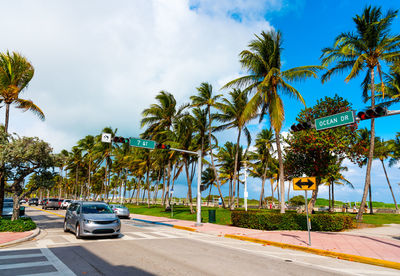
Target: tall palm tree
383,151
206,98
267,79
395,145
232,116
262,157
15,74
364,50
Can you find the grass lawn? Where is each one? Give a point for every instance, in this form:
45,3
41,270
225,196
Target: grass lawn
223,216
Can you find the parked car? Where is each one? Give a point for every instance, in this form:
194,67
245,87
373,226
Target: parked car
8,205
87,218
22,201
65,203
42,201
120,210
33,201
51,203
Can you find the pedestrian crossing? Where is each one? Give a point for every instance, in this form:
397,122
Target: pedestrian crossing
30,262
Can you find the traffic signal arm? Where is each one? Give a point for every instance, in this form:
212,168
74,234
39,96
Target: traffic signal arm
376,113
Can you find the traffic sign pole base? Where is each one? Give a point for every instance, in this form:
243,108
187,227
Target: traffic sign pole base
198,224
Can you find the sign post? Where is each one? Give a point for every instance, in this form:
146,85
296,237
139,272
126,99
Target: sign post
306,183
335,120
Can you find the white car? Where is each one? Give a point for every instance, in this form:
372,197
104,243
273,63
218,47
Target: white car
65,204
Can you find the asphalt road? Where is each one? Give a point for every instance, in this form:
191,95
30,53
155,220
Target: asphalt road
148,249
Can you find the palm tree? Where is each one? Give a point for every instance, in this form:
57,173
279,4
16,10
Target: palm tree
364,50
383,151
263,158
232,116
263,62
395,145
15,74
205,98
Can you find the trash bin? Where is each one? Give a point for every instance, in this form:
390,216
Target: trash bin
211,216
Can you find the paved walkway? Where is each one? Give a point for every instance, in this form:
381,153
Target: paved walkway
6,237
358,244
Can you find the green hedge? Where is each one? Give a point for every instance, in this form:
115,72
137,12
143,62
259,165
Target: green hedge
19,225
292,221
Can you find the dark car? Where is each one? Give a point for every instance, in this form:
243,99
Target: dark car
8,208
33,201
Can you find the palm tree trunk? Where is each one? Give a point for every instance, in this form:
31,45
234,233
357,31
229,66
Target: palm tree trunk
272,188
370,154
390,186
260,204
235,175
281,174
2,178
333,195
189,182
212,160
330,198
288,191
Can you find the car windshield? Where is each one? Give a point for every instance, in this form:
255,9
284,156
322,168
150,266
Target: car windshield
96,209
7,205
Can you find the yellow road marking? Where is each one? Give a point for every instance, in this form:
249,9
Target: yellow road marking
47,211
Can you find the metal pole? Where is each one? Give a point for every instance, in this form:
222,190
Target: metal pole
245,186
308,222
198,218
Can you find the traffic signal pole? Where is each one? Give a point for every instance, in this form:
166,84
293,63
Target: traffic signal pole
198,201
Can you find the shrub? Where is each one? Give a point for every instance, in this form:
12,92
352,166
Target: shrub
297,200
20,225
291,221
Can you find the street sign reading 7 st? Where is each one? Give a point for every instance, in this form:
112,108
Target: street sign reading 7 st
335,120
141,143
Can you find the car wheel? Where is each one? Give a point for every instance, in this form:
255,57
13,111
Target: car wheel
78,231
65,226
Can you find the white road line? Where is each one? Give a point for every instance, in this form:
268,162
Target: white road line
53,273
20,256
145,236
167,235
60,266
22,265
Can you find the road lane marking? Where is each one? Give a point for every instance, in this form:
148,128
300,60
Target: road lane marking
47,211
55,261
20,256
23,265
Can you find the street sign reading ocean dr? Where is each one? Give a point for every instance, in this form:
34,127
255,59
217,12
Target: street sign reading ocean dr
335,120
141,143
304,183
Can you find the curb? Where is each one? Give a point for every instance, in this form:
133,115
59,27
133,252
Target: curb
154,222
342,256
30,237
185,228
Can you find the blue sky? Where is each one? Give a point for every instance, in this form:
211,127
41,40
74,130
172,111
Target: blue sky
100,63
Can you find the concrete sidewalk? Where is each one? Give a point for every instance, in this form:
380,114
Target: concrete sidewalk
349,246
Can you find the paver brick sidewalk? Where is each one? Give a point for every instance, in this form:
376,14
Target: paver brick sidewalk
353,244
6,237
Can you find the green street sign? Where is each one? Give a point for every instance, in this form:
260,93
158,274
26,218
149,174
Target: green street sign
141,143
335,120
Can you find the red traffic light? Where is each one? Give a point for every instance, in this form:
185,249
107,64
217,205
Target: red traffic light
376,112
301,126
163,146
118,139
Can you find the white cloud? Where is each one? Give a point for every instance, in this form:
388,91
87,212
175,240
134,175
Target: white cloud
100,63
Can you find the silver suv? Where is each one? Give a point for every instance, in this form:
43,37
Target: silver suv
87,218
51,203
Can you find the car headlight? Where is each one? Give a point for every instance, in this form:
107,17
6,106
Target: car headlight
88,221
116,221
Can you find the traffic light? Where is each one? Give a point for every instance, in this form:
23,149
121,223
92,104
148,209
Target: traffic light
118,139
376,112
203,187
301,126
163,146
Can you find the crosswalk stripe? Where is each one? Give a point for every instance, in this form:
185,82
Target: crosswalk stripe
20,256
60,266
22,265
146,236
